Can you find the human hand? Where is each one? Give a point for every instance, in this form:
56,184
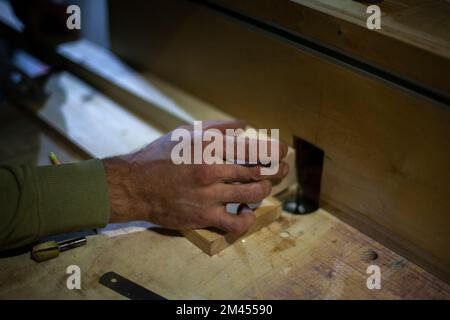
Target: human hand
147,185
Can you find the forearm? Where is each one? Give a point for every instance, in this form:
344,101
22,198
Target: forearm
36,202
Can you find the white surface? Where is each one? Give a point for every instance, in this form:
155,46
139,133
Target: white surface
105,64
92,121
119,229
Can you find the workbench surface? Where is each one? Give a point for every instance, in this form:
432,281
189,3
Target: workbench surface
299,257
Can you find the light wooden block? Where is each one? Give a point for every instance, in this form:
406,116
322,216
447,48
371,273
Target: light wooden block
213,241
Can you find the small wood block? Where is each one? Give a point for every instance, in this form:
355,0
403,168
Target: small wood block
212,241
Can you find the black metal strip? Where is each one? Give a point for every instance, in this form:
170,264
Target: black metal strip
127,288
332,54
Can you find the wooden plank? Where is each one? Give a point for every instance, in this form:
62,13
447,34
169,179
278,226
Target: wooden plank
213,241
386,151
413,42
109,75
90,120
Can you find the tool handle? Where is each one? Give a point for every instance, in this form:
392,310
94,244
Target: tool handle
71,243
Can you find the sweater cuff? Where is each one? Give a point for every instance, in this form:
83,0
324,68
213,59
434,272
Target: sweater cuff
72,197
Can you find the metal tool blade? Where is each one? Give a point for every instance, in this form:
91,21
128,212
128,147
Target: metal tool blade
127,288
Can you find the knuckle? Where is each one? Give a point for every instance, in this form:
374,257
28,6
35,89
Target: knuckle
203,174
236,227
252,219
232,172
268,188
255,193
209,195
225,194
196,174
237,194
259,191
255,173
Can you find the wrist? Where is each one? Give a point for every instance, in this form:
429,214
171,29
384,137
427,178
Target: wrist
121,189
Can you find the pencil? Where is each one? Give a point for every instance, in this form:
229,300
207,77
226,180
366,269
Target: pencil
53,158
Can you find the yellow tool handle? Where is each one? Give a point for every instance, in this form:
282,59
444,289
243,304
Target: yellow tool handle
45,251
51,249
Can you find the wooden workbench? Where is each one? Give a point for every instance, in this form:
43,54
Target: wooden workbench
302,257
375,101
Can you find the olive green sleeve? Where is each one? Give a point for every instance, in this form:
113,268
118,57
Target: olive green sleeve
41,201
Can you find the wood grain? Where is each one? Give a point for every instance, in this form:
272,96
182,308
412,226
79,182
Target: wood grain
213,241
386,150
413,41
90,120
297,257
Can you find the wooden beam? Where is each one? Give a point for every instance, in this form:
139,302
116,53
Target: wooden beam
413,41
